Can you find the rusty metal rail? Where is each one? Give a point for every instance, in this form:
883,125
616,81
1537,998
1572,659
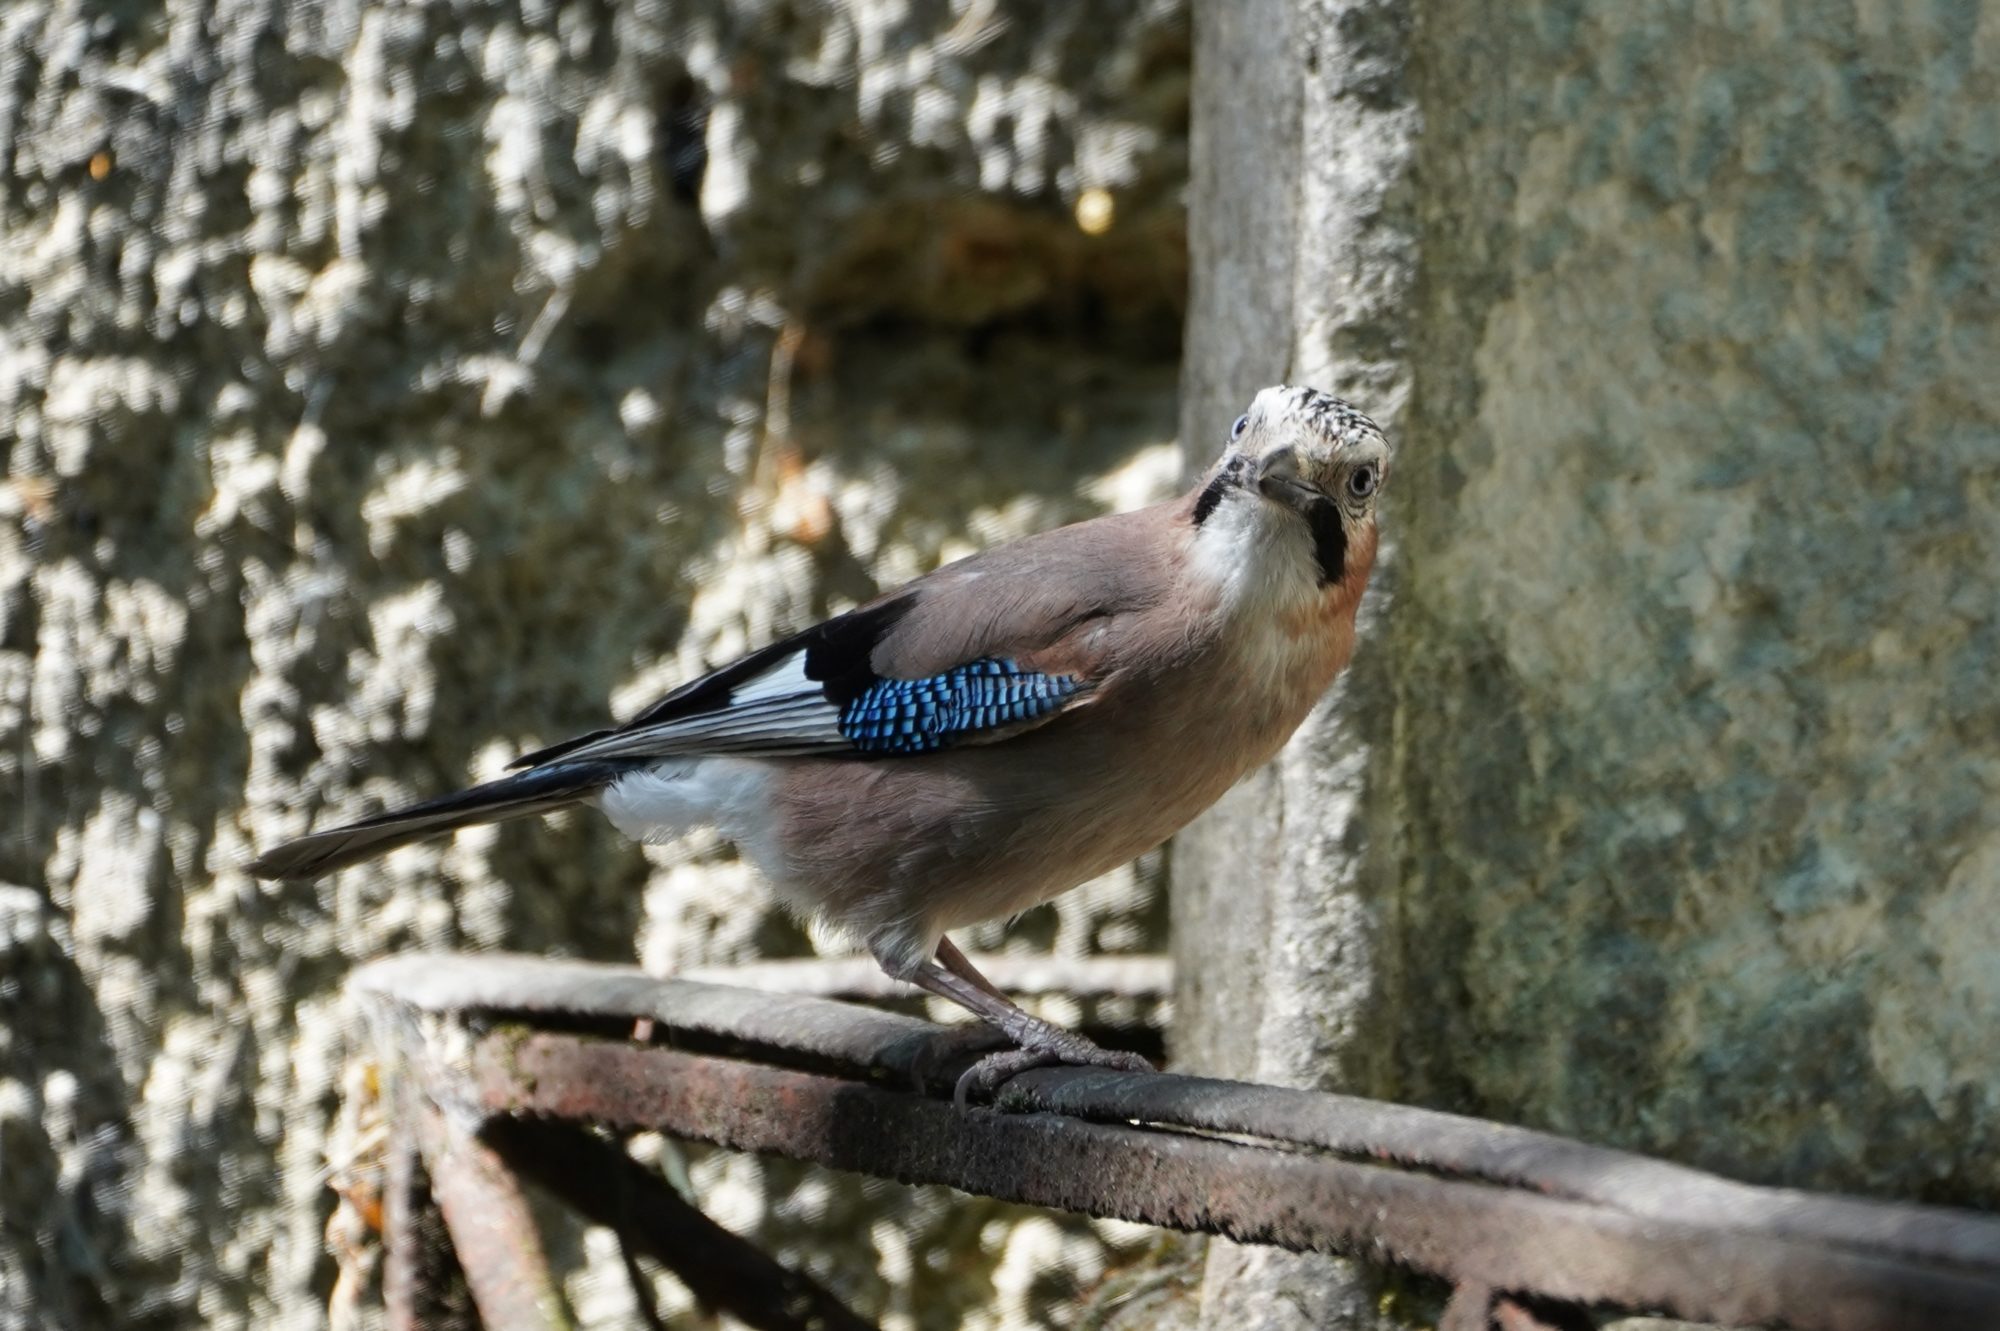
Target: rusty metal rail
1528,1227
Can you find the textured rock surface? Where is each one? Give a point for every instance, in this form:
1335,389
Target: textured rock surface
1696,754
383,390
1658,811
1302,254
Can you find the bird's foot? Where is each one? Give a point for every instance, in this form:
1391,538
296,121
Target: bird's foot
951,1044
1046,1049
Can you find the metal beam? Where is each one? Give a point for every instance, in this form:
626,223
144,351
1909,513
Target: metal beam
1488,1207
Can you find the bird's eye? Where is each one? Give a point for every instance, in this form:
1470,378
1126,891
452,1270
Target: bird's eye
1236,430
1361,482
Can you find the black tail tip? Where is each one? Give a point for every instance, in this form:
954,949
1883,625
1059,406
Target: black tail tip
277,866
316,855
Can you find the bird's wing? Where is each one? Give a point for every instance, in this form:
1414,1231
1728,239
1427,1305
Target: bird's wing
976,652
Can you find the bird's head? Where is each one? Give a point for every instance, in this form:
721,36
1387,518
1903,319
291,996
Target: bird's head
1294,493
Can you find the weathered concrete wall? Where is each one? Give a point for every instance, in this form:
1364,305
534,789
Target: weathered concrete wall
1700,742
1302,137
1659,810
384,389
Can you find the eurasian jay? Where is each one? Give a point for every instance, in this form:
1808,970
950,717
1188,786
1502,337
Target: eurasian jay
999,731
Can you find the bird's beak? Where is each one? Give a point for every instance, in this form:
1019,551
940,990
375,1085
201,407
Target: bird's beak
1278,479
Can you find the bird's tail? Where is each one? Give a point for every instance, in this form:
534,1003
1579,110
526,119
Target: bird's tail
538,790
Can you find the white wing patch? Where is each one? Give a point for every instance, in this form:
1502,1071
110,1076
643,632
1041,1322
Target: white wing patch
774,713
786,679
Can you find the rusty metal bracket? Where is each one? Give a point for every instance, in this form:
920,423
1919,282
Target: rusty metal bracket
1531,1228
721,1270
492,1230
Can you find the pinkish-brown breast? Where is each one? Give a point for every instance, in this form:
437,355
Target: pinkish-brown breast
943,840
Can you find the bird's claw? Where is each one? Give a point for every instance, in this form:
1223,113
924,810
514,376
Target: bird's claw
950,1045
990,1073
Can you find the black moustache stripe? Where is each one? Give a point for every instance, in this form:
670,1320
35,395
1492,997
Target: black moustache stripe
1211,496
1329,539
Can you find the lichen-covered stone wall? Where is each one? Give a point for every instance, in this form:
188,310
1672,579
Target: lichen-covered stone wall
1699,743
388,388
1658,809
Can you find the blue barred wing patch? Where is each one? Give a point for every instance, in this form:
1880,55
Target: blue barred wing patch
920,715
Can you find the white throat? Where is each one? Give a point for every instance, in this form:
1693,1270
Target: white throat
1257,557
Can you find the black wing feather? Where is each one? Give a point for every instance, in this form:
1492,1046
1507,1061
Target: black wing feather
837,657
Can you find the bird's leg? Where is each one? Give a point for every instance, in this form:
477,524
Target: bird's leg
1041,1042
960,965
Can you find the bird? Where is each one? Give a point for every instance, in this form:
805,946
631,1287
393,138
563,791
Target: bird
998,731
